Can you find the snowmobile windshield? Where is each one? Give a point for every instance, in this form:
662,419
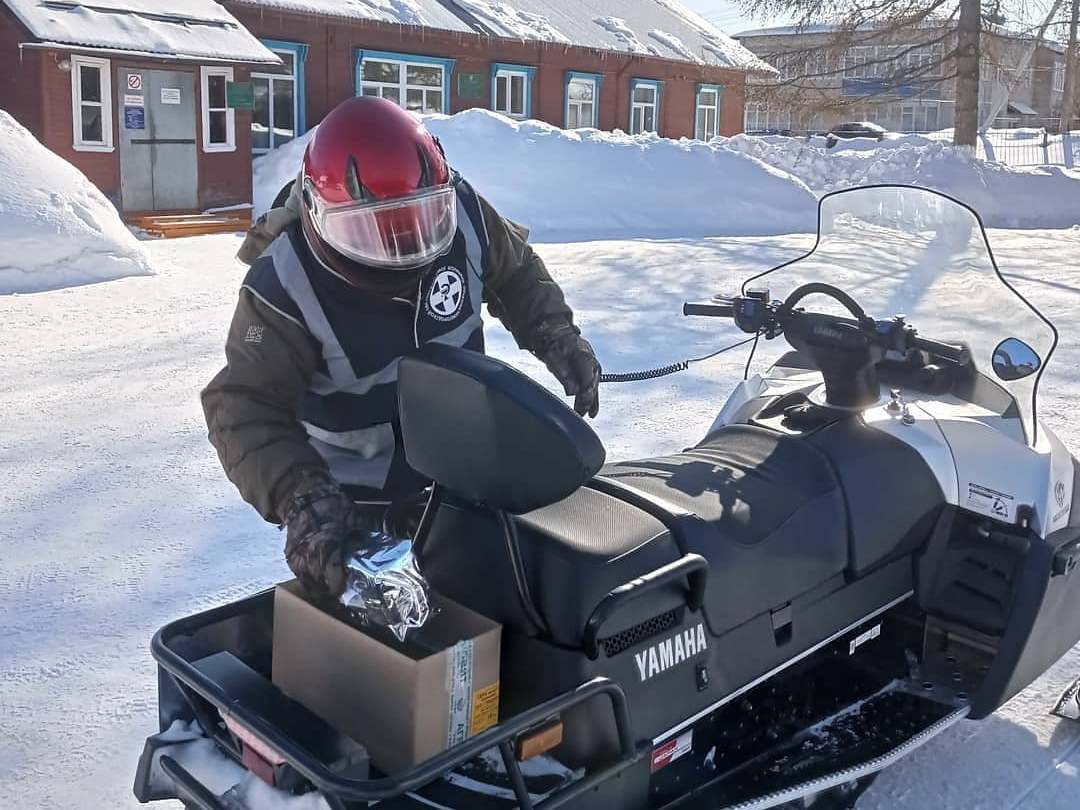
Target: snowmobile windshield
900,250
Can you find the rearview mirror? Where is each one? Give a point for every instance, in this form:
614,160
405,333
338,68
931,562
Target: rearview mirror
1014,360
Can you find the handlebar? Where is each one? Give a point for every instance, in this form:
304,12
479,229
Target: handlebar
754,313
958,354
709,310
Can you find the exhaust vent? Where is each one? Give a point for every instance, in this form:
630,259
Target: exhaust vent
631,637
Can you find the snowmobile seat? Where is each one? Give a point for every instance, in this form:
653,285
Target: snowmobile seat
770,516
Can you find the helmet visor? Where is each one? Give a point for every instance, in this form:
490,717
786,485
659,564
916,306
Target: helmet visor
397,234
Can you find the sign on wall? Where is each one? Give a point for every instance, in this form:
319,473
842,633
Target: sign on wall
134,117
470,85
134,81
240,95
170,95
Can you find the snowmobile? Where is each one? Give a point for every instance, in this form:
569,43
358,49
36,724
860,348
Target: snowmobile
876,539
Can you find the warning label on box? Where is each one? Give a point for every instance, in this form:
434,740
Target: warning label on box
485,709
459,674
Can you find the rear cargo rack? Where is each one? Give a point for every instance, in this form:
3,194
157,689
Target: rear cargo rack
339,791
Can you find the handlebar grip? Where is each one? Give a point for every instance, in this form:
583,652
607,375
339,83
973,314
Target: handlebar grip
709,310
950,351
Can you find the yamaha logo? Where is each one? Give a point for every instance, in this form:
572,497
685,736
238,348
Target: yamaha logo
670,652
447,294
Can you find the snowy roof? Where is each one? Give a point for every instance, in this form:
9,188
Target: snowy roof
789,30
198,29
663,28
429,13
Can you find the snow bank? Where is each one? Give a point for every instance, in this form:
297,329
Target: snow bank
587,184
617,27
1005,197
56,228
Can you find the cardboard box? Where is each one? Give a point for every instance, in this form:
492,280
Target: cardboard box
407,701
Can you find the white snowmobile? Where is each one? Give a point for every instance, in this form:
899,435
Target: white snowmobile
876,539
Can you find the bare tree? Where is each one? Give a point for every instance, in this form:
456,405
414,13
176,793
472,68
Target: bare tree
1071,95
908,47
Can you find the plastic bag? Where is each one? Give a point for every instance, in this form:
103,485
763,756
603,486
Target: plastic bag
384,587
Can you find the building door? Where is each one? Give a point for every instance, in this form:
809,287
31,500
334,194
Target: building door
158,161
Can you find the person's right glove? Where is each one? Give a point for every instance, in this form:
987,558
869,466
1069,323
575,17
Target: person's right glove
319,519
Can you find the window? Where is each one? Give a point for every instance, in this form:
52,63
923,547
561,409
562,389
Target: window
277,117
758,117
644,106
1059,77
91,104
931,123
510,86
582,98
907,118
419,84
707,121
858,61
219,120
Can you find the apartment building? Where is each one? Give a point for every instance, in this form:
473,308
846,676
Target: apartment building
903,81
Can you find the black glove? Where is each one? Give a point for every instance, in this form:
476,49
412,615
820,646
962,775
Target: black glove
319,519
571,359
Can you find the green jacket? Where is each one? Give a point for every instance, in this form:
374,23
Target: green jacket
252,405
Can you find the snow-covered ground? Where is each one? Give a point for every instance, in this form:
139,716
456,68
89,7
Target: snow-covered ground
116,516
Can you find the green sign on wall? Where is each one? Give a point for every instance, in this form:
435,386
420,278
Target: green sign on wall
240,95
470,85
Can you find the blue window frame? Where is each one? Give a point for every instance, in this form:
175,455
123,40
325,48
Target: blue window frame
511,89
280,92
582,93
645,105
416,82
708,102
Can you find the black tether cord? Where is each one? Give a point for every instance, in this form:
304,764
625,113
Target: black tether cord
673,368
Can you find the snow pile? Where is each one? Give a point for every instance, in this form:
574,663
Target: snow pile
587,184
675,44
1005,197
617,27
56,228
505,21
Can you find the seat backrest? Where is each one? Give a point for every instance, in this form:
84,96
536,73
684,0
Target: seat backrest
488,433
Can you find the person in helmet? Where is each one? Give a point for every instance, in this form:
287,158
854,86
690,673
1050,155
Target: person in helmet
380,248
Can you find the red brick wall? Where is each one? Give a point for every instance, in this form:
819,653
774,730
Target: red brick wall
20,74
333,43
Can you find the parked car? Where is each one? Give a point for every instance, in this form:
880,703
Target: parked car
855,129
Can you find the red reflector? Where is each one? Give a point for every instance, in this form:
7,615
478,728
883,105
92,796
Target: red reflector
251,760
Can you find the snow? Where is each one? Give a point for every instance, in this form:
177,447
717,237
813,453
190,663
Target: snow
1005,196
740,185
429,13
189,29
503,20
618,28
624,25
675,44
679,187
137,525
56,228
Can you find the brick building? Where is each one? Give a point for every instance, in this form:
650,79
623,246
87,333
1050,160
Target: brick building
164,109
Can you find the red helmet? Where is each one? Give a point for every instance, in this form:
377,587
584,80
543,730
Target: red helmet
377,186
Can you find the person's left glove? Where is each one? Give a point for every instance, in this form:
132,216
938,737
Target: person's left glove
319,519
571,359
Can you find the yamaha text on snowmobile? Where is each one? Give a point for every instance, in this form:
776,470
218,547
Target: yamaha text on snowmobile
876,538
